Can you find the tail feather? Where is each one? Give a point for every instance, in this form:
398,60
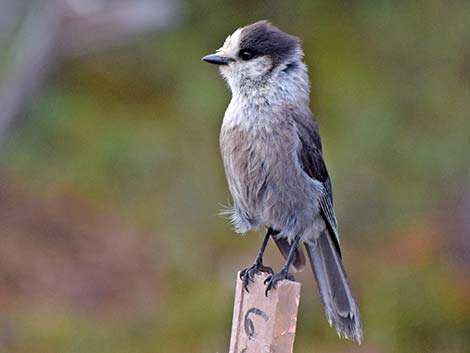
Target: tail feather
338,302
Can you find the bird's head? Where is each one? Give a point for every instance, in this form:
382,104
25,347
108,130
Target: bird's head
256,53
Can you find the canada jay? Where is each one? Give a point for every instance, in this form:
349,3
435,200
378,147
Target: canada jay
273,162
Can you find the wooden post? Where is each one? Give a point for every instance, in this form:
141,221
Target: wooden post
264,324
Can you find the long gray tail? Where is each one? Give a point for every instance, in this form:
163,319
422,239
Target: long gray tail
339,305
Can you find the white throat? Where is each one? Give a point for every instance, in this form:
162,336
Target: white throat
255,103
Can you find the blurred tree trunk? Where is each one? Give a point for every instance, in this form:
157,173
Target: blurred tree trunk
33,55
458,224
54,29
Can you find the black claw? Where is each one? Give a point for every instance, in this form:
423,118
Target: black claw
248,274
271,281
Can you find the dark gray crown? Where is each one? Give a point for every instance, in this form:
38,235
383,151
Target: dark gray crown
262,38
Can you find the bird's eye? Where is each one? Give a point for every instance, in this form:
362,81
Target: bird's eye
245,54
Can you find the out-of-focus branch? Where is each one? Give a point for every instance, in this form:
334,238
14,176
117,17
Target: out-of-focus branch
54,29
89,29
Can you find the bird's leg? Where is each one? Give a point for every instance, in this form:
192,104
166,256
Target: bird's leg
272,280
248,273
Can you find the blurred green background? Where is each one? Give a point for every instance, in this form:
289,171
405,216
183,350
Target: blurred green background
111,185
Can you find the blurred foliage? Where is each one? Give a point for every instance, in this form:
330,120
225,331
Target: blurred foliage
131,135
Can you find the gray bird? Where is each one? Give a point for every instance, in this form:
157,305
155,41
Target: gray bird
273,161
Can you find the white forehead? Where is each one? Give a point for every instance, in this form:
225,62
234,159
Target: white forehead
231,45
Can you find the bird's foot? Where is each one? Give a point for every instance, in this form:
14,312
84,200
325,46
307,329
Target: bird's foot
272,280
248,274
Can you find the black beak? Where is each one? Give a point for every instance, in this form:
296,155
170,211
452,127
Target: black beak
217,59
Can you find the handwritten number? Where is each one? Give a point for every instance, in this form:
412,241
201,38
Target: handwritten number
249,325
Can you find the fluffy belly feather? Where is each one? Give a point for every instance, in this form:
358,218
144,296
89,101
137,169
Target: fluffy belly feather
268,186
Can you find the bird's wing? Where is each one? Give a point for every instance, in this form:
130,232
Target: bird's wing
311,159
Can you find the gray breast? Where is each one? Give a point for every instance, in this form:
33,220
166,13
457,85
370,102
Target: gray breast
268,186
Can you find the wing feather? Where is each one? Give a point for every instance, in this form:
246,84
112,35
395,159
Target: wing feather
311,158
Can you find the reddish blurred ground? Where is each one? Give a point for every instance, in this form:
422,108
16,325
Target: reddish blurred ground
60,253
